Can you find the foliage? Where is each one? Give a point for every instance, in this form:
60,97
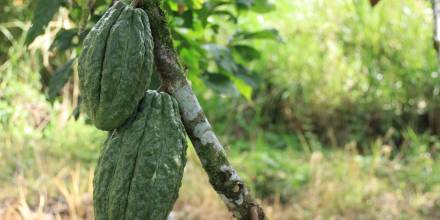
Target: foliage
196,25
43,13
345,72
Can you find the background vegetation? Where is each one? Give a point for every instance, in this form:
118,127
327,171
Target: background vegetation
328,109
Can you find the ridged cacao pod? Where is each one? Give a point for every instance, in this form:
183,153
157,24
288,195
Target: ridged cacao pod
140,168
115,66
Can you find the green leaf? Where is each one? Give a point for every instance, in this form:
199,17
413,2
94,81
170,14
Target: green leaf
59,79
220,83
268,34
246,52
188,19
263,6
209,8
260,6
64,39
252,80
244,4
43,14
197,3
244,89
226,13
223,57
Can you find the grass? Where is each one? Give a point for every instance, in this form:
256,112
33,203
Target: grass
47,161
339,188
49,176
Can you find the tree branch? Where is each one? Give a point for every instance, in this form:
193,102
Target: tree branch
222,175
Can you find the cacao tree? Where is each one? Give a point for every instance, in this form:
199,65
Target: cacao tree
112,98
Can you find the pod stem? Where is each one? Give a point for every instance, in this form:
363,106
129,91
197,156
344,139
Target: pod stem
222,176
136,3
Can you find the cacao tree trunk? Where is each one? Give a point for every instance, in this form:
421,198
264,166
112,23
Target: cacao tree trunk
222,175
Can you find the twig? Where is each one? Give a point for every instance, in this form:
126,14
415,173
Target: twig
136,3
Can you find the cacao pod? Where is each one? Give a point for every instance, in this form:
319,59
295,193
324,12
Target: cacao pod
116,65
140,168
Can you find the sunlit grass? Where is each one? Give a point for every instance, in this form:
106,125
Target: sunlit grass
47,173
341,186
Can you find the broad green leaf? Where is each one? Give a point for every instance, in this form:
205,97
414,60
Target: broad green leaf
220,83
244,4
246,52
230,15
211,5
209,9
268,34
263,6
188,19
64,39
191,3
43,14
172,5
59,79
244,89
198,3
186,42
223,57
260,6
252,80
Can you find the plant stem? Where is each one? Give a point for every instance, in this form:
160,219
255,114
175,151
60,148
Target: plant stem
135,3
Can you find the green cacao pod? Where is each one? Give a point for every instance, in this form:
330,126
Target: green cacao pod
140,168
115,66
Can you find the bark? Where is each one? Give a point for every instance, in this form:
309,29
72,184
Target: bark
222,175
